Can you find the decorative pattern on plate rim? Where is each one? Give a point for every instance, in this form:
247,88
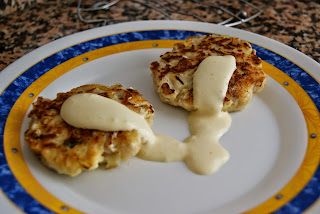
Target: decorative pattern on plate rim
11,187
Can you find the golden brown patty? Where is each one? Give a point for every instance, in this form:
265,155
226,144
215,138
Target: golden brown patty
69,150
173,74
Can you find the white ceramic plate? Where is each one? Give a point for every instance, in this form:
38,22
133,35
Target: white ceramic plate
274,143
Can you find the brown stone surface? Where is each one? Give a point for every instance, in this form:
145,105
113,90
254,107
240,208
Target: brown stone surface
295,23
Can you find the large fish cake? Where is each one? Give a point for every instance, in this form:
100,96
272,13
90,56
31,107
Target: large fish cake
173,74
70,150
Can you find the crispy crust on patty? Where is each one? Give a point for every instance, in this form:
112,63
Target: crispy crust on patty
173,74
70,150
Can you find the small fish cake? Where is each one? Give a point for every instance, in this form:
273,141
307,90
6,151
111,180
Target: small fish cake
173,74
70,150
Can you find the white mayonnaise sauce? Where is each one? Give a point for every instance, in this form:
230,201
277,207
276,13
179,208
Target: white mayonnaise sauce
201,151
92,111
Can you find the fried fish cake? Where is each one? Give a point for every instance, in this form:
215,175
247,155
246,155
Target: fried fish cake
70,150
173,74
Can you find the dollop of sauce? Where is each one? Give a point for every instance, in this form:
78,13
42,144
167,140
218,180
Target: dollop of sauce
92,111
201,151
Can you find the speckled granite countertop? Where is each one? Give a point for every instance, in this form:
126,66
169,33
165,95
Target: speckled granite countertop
295,23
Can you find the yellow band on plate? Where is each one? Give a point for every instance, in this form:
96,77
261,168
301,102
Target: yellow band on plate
12,132
312,156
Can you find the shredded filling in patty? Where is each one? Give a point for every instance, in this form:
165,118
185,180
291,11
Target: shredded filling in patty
173,74
70,150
